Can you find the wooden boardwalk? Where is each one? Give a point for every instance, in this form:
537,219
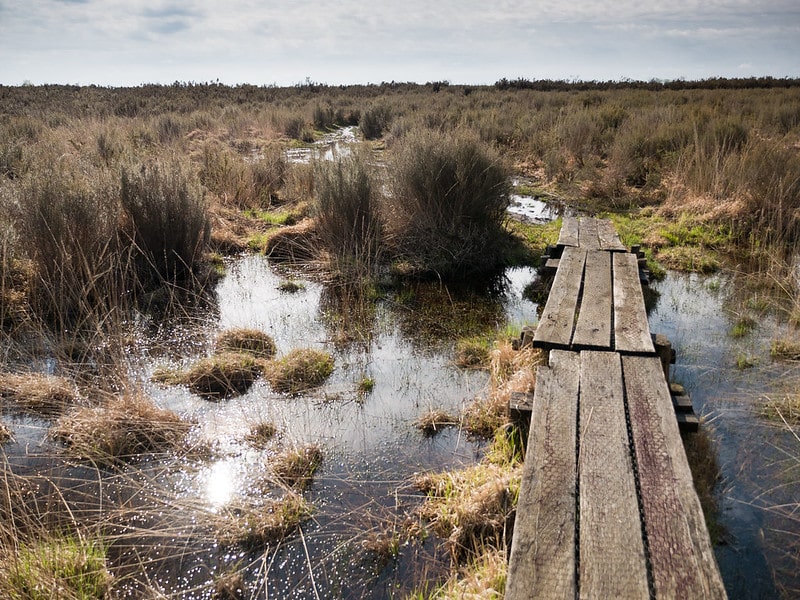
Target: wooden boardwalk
607,506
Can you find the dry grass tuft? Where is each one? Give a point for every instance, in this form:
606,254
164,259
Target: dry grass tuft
44,395
294,243
785,349
484,577
254,527
261,434
511,371
785,408
470,507
433,421
229,586
296,466
215,377
5,433
300,370
121,430
249,341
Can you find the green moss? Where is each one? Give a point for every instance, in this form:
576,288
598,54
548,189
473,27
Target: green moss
219,376
248,341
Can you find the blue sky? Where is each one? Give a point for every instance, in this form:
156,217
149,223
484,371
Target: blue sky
129,42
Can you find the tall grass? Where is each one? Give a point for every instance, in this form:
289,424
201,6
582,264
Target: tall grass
166,220
347,213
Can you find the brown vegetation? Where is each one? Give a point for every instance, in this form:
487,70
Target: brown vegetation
44,395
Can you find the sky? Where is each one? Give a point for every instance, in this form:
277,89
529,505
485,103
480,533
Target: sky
284,42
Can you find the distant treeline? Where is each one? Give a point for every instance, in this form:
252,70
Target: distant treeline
714,83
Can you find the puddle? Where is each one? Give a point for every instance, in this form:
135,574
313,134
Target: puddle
533,210
336,144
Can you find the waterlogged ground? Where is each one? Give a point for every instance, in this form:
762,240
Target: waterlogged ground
759,491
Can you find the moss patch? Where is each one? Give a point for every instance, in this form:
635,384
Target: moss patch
300,370
248,341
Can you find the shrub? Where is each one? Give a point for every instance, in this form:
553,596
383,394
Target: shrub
347,214
167,220
448,203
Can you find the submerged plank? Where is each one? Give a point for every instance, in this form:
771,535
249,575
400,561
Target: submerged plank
682,558
568,236
542,561
587,235
593,328
558,317
631,330
612,560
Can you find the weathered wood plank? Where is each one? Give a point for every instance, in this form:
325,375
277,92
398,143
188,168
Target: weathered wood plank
568,236
609,240
558,317
682,557
587,234
542,561
593,328
612,560
631,330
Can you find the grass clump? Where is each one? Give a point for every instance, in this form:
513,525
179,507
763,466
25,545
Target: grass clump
433,421
44,395
300,370
66,568
215,377
120,431
248,341
295,467
254,527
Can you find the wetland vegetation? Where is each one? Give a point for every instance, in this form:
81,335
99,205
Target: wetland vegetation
258,341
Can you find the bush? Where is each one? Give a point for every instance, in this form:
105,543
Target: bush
448,204
167,220
374,121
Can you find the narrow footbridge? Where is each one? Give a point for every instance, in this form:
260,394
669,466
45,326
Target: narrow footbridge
607,506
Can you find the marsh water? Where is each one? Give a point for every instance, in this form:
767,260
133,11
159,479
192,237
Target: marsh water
404,341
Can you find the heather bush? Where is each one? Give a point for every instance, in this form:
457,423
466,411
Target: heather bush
448,204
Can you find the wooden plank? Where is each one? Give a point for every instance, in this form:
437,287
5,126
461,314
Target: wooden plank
558,317
631,330
568,236
682,558
587,235
593,328
609,240
542,560
612,560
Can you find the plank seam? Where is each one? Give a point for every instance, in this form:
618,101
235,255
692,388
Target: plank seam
651,585
578,490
